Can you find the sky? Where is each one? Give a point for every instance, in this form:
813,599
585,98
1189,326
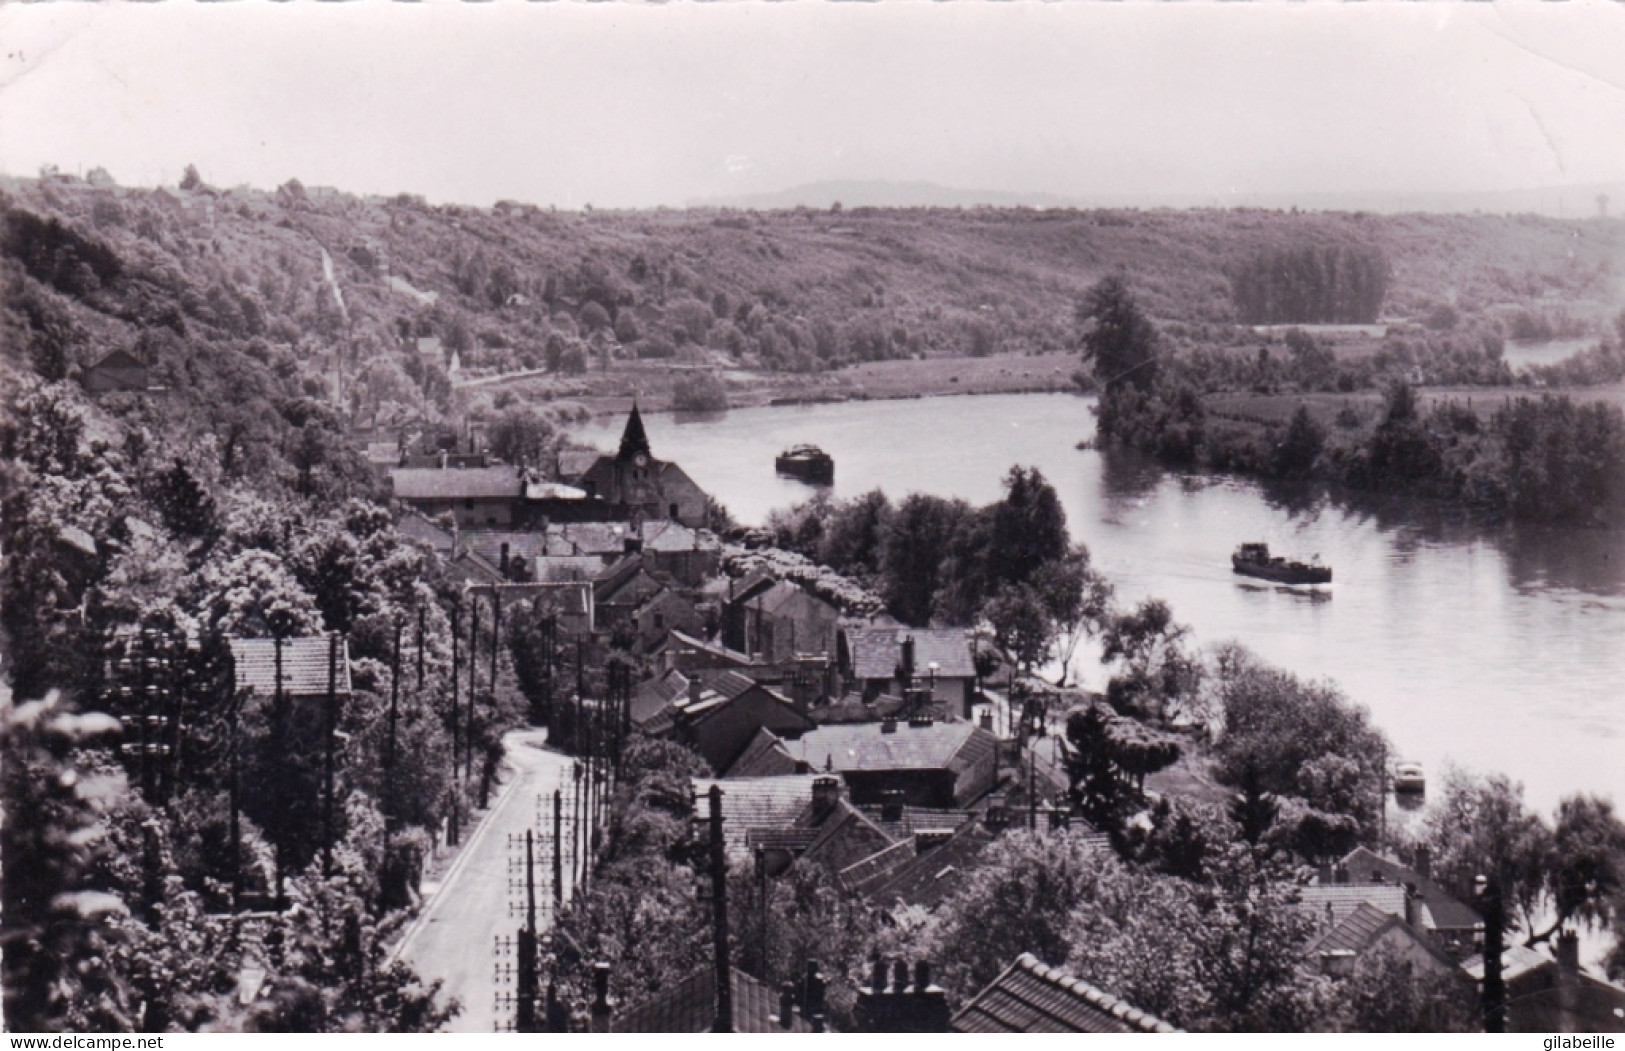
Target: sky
638,105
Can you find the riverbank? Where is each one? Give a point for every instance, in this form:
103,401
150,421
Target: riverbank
652,383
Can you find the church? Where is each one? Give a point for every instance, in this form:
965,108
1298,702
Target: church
636,487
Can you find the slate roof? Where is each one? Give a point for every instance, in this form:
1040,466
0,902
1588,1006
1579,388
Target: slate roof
763,757
690,1007
573,463
755,802
383,454
304,665
119,359
865,747
917,820
876,652
461,483
653,695
419,528
1361,928
668,536
689,642
932,876
1448,912
1030,997
1516,961
872,871
845,836
1338,900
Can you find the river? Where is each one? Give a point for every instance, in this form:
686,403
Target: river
1496,648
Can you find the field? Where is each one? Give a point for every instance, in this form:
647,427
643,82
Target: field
1367,405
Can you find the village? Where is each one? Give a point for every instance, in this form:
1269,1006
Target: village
889,755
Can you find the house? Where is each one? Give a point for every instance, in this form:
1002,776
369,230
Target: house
382,457
690,1006
1368,931
759,804
305,663
764,756
689,556
661,613
624,587
719,713
634,486
118,371
1030,997
475,496
687,653
1554,995
1331,904
929,877
1450,923
781,621
933,764
895,660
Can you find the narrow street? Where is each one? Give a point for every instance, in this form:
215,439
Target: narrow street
482,897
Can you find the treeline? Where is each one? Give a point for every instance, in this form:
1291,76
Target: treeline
1333,284
1547,459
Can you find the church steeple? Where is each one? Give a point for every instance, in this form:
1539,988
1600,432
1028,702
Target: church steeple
634,440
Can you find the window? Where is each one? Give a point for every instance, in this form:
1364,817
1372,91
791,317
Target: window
660,621
674,512
468,504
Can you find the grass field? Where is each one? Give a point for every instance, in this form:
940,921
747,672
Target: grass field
1367,405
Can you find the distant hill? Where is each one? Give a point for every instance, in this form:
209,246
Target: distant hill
1574,202
324,294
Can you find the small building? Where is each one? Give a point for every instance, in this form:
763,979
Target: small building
931,764
782,621
717,714
665,611
1546,994
895,660
634,486
689,555
1449,922
117,372
476,496
1030,997
691,1007
758,804
1368,932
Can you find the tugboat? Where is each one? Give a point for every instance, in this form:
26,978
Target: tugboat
808,463
1254,560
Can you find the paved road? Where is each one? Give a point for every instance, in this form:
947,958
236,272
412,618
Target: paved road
482,896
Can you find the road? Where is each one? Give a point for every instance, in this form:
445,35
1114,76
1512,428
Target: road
481,898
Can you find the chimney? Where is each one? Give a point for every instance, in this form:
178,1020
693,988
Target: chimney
787,1005
601,1010
502,562
1341,875
899,1007
891,805
1568,982
1424,862
888,726
905,665
826,792
694,689
1413,907
986,721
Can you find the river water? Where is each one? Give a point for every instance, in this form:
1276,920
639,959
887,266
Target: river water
1499,649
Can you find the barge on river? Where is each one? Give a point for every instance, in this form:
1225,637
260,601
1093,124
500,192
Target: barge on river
1254,560
809,463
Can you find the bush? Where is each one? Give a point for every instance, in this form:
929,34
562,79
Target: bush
699,392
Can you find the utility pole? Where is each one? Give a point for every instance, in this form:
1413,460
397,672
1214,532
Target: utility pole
279,748
386,804
724,1022
422,613
558,849
1494,988
473,670
327,753
236,826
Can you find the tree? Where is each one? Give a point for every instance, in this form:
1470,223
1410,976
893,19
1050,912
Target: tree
853,540
1028,528
520,437
1296,455
1119,339
915,552
59,918
1157,675
1108,758
1390,994
1480,827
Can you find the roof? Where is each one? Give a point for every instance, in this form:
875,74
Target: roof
653,695
918,820
933,875
714,649
455,483
1361,928
1338,900
665,535
1448,912
785,593
845,835
756,802
1516,961
878,867
663,597
383,453
1030,997
690,1007
876,652
764,756
119,359
866,747
553,491
304,665
77,538
573,463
